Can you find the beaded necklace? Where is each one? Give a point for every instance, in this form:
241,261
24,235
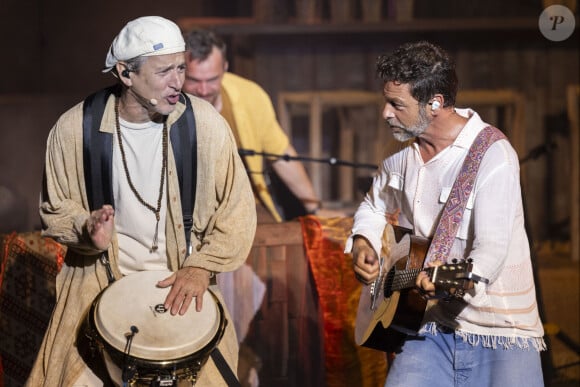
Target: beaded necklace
155,210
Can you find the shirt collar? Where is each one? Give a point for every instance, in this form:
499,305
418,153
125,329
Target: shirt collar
471,129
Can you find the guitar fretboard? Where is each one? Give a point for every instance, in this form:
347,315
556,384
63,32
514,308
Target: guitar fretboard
403,279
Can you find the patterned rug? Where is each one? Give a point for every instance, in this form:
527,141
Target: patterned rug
28,266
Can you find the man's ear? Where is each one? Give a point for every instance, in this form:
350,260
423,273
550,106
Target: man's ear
124,73
226,66
436,103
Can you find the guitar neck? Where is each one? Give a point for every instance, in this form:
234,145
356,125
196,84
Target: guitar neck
404,279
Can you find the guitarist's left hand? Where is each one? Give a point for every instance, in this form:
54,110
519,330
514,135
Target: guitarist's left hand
423,281
365,261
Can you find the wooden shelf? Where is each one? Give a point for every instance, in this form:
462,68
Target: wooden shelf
250,26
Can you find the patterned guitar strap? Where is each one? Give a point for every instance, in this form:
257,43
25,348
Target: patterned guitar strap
455,205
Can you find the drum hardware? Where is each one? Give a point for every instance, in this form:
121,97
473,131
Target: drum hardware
129,369
105,261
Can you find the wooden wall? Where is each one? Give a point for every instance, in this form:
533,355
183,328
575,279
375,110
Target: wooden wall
55,50
500,55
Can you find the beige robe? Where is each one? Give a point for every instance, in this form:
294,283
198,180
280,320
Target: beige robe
223,231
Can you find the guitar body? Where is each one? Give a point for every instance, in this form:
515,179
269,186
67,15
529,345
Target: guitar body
402,308
391,308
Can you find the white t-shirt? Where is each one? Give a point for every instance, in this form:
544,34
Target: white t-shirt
135,223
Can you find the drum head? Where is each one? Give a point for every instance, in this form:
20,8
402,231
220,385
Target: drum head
136,301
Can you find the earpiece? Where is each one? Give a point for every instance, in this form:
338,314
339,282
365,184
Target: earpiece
435,105
125,73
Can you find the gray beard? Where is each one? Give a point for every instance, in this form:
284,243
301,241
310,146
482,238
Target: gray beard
413,131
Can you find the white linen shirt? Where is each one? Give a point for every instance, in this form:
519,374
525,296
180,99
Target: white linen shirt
491,232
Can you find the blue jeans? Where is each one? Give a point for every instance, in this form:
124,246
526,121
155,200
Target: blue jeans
446,360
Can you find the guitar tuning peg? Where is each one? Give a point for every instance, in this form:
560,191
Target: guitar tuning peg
454,260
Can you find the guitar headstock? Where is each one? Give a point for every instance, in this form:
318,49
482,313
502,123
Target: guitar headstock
453,279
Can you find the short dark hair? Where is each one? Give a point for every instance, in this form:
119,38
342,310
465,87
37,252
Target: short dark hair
200,43
427,69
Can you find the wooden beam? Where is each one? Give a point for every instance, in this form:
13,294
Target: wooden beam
573,99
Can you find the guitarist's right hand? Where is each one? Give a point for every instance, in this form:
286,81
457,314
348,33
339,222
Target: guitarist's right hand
364,260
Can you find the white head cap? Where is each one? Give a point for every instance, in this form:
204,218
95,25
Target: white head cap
145,36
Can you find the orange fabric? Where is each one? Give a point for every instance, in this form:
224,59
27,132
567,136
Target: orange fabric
346,364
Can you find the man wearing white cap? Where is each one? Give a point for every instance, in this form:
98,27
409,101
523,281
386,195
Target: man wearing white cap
118,185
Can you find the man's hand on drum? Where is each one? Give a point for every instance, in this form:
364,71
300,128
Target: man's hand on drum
364,261
100,226
186,284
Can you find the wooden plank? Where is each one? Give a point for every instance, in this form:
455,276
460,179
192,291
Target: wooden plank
317,101
276,234
346,152
315,138
286,333
250,26
573,94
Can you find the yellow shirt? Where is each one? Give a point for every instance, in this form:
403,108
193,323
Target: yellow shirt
249,111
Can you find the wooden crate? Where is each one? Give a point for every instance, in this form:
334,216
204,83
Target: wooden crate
285,333
317,102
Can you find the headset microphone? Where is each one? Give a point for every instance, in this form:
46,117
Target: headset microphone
150,101
435,105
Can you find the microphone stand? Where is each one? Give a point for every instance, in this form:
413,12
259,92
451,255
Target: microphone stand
293,207
286,157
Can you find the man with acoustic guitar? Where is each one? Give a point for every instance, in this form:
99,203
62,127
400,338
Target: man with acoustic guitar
454,180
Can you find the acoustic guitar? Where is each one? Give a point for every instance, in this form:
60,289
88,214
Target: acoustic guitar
391,307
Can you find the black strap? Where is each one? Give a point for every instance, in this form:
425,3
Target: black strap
98,155
97,150
224,368
184,138
97,158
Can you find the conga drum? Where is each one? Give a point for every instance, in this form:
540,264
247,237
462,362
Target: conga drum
141,342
